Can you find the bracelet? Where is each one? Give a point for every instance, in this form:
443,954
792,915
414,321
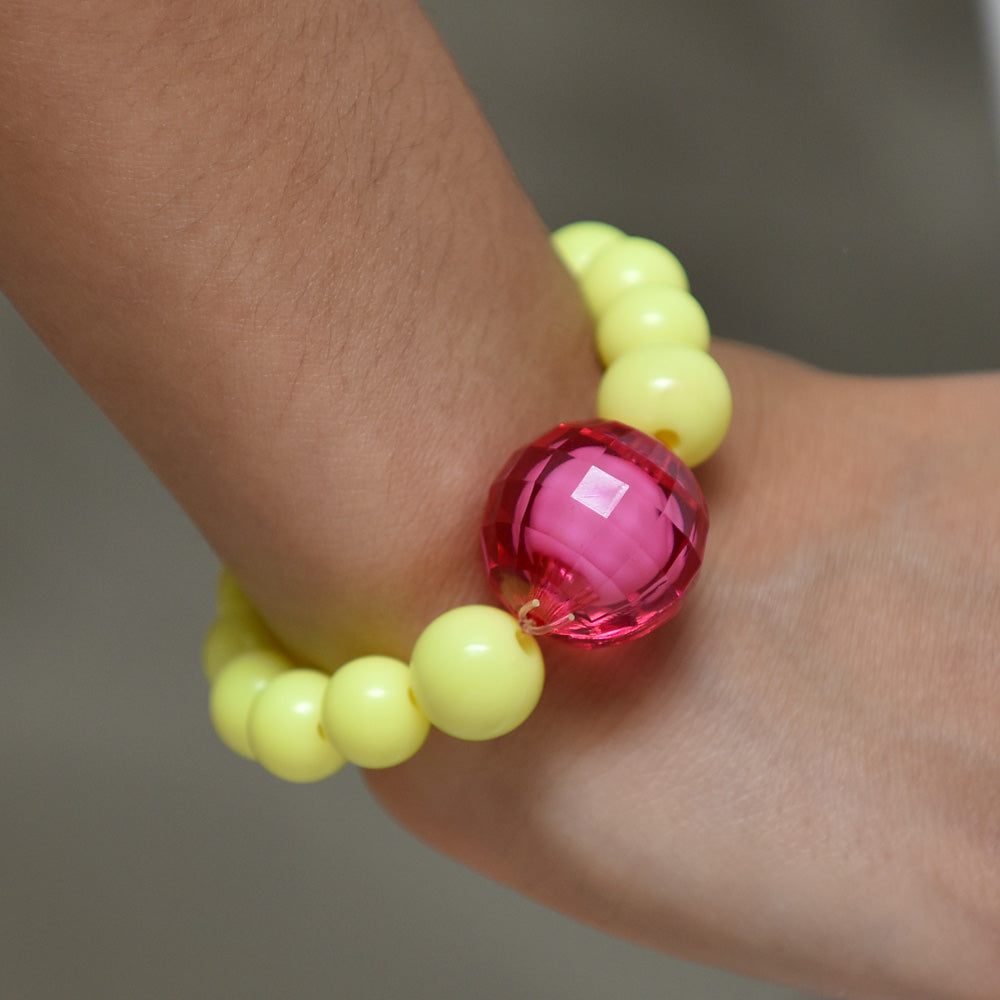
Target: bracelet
592,534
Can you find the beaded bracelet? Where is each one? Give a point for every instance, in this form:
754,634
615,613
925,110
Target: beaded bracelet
592,534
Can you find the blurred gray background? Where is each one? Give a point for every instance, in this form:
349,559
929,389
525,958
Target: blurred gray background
827,173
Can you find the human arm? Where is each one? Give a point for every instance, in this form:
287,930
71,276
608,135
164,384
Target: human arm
707,771
280,248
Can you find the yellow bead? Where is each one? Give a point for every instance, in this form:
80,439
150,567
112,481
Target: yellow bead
475,674
624,264
674,393
234,690
284,729
651,314
369,713
228,636
578,242
230,598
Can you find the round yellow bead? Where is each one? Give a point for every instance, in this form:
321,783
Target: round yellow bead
230,598
622,265
651,314
578,243
369,713
674,393
228,636
475,673
234,690
284,728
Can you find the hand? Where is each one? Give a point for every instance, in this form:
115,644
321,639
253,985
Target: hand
796,778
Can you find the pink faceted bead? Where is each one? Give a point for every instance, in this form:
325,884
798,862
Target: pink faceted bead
593,532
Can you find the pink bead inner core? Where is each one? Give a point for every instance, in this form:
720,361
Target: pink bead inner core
593,532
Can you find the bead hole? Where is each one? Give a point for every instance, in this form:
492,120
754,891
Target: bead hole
668,437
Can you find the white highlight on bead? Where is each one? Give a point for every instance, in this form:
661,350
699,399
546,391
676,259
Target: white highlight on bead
600,492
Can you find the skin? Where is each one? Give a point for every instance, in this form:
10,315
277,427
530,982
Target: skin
281,248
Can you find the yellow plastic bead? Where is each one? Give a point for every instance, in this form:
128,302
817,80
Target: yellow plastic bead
284,728
228,636
579,242
677,394
624,264
369,713
230,598
475,673
651,314
234,690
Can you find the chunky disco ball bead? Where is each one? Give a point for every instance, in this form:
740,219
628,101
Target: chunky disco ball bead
593,533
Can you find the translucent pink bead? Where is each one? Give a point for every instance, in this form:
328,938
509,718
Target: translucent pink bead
593,533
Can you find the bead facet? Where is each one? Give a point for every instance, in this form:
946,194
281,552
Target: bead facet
369,713
624,264
676,394
651,314
475,673
593,533
284,731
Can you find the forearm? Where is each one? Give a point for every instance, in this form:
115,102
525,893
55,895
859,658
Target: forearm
281,248
245,232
